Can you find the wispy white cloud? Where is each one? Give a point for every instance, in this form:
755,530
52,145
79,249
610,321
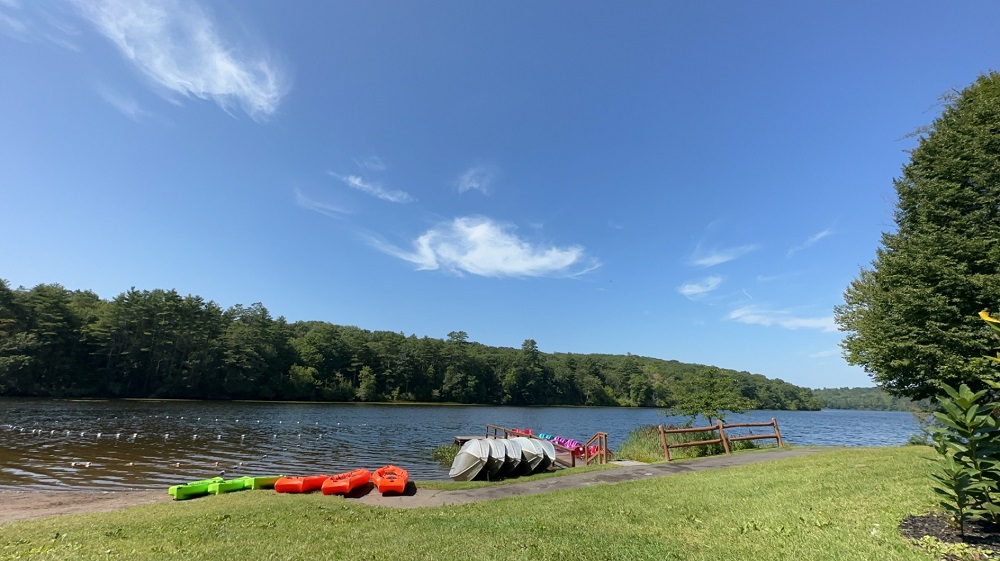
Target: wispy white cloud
481,246
754,315
316,206
719,256
38,21
616,225
825,353
809,242
124,104
177,45
478,178
698,289
12,20
371,163
374,189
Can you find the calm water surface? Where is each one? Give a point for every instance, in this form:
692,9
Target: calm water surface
61,444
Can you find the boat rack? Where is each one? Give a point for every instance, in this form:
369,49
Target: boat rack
594,450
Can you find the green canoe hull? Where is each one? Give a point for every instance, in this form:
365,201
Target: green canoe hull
193,489
238,484
217,485
263,482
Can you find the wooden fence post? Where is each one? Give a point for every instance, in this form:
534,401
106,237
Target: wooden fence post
774,423
663,440
722,436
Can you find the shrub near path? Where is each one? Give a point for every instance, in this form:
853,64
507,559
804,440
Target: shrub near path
838,504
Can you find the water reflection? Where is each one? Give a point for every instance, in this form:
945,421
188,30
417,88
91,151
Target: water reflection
53,444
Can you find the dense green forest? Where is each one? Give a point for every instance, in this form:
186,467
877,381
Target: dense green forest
869,399
57,342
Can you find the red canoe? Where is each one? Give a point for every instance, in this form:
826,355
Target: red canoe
344,483
390,479
300,484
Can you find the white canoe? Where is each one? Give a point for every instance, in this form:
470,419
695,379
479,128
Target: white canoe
498,455
513,460
470,460
531,454
550,454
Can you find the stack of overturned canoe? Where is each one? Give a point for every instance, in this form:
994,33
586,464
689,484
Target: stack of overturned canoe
492,458
387,479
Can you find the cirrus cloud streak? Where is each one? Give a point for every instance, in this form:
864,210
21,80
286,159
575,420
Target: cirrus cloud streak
695,290
178,47
754,315
374,189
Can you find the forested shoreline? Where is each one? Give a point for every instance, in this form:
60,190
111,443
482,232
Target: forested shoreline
56,342
867,399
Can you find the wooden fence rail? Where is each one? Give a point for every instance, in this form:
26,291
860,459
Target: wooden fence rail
723,438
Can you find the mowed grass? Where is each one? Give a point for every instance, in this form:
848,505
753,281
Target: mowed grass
837,505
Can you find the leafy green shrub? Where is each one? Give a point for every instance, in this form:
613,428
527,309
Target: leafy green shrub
445,454
967,441
693,451
744,445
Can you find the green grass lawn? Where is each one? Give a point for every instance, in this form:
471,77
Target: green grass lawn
837,504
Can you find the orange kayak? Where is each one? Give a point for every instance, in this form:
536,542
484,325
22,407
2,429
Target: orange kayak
343,483
390,479
300,484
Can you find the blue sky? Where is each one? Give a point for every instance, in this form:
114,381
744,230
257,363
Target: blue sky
695,181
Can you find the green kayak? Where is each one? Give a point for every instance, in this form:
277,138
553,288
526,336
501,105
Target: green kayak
193,489
263,482
228,485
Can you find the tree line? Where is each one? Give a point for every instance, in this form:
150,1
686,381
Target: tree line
56,342
868,399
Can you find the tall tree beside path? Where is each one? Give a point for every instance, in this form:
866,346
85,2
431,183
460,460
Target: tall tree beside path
911,317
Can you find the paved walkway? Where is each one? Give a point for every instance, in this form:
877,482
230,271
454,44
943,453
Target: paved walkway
432,497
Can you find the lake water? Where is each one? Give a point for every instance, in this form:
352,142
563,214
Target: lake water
63,444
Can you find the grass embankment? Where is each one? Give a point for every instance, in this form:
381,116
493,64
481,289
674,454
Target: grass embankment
835,505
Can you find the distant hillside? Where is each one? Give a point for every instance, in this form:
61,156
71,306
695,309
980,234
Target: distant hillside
157,343
868,399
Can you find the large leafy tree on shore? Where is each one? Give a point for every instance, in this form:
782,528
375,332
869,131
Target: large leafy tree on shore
911,318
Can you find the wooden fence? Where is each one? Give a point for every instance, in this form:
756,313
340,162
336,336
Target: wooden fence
723,438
